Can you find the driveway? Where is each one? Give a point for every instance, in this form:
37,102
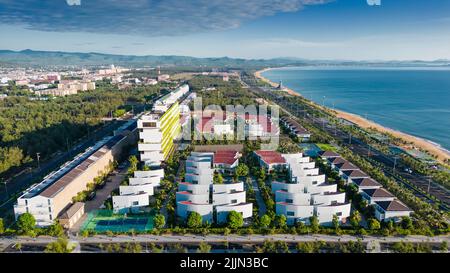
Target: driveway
259,199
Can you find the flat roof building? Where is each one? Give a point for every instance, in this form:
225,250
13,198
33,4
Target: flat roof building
47,199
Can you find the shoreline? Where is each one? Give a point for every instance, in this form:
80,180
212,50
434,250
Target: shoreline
417,142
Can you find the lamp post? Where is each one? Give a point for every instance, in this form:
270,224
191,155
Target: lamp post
6,188
395,162
38,156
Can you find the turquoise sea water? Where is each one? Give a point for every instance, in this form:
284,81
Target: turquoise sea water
412,100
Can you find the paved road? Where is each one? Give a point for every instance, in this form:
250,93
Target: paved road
255,238
261,205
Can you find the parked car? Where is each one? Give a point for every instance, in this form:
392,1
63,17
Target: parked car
91,196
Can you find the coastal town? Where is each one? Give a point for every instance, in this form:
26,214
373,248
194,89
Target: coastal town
224,135
157,165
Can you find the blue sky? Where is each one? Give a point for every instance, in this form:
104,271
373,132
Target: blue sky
312,29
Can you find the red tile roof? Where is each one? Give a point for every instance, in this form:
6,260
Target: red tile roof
270,157
226,157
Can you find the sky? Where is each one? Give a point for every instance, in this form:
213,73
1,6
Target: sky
310,29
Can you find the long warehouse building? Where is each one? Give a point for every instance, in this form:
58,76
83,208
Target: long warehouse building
49,199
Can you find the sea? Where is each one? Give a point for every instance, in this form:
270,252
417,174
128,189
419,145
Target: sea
413,100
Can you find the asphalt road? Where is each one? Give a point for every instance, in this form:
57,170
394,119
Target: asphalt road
255,238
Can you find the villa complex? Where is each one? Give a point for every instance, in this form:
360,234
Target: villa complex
199,194
386,205
306,192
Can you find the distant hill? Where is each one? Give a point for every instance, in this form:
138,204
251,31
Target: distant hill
30,57
56,58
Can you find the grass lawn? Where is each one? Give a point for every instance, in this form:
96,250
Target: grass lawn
326,147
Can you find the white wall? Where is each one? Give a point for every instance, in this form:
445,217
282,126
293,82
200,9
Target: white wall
137,189
227,198
122,203
301,199
193,198
222,211
184,209
325,213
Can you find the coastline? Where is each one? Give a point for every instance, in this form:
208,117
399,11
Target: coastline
417,142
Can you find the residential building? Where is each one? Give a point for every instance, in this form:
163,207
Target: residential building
376,195
157,132
134,196
199,194
295,128
71,216
270,160
391,210
49,198
307,194
365,184
226,161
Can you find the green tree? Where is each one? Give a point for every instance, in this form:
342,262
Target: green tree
218,178
407,223
59,246
204,248
335,222
55,230
2,227
280,221
262,174
26,223
159,220
194,220
235,219
242,170
444,246
355,218
265,221
133,164
373,224
314,222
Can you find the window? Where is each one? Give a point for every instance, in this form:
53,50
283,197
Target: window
50,217
339,214
290,213
135,203
149,124
289,201
49,209
234,201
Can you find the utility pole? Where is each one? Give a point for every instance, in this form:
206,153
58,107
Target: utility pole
6,188
38,156
395,162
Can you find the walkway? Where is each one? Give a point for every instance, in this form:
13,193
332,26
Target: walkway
259,199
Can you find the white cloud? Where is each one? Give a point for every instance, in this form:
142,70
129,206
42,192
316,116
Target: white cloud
142,17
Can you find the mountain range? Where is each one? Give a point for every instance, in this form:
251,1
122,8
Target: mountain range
57,58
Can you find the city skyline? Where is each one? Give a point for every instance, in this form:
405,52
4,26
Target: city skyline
310,29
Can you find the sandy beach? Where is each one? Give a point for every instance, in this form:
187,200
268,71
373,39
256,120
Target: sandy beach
364,123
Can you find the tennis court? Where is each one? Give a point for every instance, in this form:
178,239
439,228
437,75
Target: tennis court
106,220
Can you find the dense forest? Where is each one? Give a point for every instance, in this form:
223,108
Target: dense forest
224,93
31,126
